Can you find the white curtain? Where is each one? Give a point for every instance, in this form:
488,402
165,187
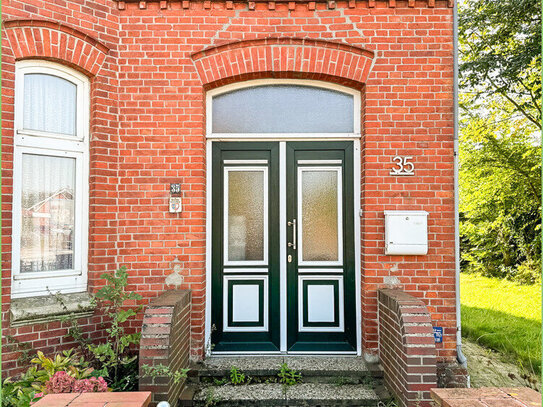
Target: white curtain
49,104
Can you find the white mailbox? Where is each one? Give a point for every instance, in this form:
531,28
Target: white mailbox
406,232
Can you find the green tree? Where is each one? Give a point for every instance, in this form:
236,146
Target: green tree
500,52
500,195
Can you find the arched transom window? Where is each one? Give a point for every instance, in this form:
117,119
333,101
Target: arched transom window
283,108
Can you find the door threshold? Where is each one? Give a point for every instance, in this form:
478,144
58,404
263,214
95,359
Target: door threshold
299,353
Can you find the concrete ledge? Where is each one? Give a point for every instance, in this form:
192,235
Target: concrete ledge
37,310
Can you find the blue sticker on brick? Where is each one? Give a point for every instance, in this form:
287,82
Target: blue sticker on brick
438,334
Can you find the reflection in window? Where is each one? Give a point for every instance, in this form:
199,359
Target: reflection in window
47,208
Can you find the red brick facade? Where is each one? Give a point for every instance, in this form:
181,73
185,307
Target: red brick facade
150,64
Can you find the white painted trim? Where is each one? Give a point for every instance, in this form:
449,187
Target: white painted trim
265,304
357,169
341,299
227,162
58,145
357,103
320,271
264,261
209,201
339,261
251,270
319,162
283,243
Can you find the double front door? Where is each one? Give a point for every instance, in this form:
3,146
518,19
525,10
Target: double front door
283,264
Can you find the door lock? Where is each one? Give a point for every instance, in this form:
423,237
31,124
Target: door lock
289,258
293,224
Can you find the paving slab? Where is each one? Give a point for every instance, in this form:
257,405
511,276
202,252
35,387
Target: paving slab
103,399
487,396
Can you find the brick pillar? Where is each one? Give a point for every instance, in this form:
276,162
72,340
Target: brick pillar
165,339
407,349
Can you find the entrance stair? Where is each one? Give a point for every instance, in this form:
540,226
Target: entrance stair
323,381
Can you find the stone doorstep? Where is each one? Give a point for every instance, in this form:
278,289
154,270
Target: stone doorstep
274,394
324,366
487,396
106,399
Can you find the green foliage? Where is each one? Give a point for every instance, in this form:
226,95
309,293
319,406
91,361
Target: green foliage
115,356
500,194
236,376
500,50
162,370
67,362
503,316
21,393
32,383
288,376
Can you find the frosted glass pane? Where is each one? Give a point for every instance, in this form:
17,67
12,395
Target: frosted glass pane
319,216
47,207
245,215
49,104
283,109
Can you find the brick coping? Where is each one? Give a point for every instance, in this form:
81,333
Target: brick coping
487,396
125,399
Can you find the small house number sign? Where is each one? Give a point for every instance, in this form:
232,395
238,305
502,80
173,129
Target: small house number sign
404,166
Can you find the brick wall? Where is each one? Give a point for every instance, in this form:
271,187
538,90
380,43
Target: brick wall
406,347
148,129
165,339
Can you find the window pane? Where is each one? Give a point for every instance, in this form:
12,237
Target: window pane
319,215
245,215
47,235
283,109
49,104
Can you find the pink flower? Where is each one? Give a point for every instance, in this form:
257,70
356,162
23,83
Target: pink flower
90,385
61,382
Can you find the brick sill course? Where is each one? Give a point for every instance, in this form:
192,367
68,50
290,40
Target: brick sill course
487,396
126,399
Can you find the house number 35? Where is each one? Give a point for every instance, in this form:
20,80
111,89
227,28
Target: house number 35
404,166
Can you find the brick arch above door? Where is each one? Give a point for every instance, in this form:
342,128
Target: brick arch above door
284,58
56,42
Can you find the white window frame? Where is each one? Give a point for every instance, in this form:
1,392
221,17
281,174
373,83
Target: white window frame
357,103
58,145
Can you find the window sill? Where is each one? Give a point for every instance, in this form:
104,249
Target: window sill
39,310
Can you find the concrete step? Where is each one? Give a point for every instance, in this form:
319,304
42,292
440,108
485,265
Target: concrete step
275,394
314,369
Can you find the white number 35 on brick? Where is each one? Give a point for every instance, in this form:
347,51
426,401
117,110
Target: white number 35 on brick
404,166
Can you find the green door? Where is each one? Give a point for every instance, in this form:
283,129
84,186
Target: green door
320,272
316,265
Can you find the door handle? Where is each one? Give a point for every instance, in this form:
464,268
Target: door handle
294,233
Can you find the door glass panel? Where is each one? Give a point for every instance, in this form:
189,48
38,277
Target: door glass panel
283,109
47,227
246,209
319,201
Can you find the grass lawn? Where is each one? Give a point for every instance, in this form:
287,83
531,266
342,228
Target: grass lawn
503,316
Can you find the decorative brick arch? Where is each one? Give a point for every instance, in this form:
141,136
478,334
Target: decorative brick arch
56,42
283,58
